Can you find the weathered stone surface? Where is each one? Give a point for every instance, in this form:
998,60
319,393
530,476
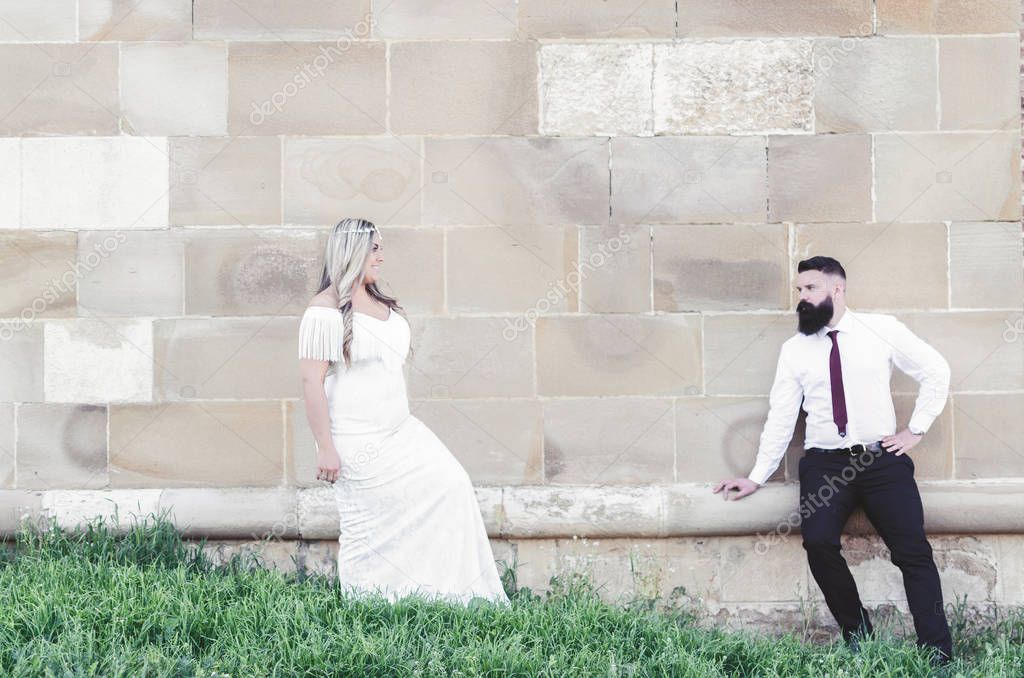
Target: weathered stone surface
308,88
984,265
873,256
1011,568
875,85
979,83
217,512
596,355
62,446
615,269
118,509
709,87
590,441
232,181
132,168
413,269
747,566
469,358
375,178
300,446
608,19
596,89
37,274
134,273
58,89
100,20
283,556
94,360
174,88
516,181
933,456
7,456
42,22
10,183
417,19
587,511
819,178
774,18
721,267
523,269
251,272
318,513
742,351
989,435
21,361
688,180
947,16
268,20
218,444
498,442
229,358
489,87
932,177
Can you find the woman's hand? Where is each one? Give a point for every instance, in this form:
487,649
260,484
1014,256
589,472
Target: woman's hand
327,465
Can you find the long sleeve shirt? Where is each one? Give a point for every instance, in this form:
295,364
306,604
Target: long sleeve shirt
869,345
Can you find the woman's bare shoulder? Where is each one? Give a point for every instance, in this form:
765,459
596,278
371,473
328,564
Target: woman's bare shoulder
324,299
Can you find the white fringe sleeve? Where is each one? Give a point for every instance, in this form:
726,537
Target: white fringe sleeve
321,333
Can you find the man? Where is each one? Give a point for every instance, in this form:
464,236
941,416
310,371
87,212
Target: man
839,364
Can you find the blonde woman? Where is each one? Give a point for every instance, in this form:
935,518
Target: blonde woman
410,522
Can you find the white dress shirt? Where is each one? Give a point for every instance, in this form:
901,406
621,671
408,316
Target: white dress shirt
869,345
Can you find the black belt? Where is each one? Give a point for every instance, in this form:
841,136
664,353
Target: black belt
856,449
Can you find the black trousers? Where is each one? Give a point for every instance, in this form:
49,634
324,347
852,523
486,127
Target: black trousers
831,487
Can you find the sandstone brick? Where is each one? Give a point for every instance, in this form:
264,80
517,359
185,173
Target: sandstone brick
117,509
618,355
933,456
300,446
42,22
135,273
819,178
536,563
310,88
947,16
498,442
268,20
985,264
524,269
587,511
1011,568
37,274
874,256
688,180
134,169
979,83
21,361
930,177
988,438
418,19
742,351
225,358
469,358
615,269
589,89
516,181
875,85
627,441
94,360
232,181
376,178
506,71
737,86
774,18
7,456
215,444
609,19
59,89
218,512
62,446
10,183
983,354
102,20
721,267
747,568
413,270
174,88
251,272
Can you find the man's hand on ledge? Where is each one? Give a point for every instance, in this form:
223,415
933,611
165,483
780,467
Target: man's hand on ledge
741,486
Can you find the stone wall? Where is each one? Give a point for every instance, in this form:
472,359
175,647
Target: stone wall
592,214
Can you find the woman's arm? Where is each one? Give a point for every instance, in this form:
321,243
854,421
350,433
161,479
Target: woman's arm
312,373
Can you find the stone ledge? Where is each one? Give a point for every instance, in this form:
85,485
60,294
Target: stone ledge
513,512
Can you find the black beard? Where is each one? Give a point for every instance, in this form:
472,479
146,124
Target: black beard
812,318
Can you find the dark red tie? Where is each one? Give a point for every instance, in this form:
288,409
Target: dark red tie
835,371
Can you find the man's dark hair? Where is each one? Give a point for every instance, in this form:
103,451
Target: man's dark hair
826,265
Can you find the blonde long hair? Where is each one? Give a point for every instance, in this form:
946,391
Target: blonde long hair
348,247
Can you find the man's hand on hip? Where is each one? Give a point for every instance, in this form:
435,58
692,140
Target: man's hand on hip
901,442
741,486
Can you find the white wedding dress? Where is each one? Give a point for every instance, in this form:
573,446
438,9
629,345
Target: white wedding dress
410,521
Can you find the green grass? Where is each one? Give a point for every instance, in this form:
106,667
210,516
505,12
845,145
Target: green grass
149,604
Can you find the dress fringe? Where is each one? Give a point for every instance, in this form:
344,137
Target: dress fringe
322,334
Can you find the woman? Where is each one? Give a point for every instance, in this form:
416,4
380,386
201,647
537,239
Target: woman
410,521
